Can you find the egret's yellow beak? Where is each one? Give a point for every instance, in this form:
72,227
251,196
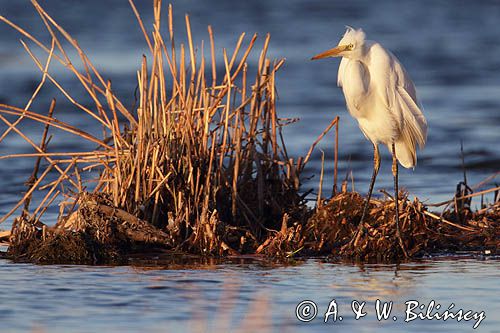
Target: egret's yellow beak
331,52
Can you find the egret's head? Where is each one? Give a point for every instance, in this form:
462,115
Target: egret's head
350,46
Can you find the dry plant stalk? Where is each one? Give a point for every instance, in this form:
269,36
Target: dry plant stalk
199,154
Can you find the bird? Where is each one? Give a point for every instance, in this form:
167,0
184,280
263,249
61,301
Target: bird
381,96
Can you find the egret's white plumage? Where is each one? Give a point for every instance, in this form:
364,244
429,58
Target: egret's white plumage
381,96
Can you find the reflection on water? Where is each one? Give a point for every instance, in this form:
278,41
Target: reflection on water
248,296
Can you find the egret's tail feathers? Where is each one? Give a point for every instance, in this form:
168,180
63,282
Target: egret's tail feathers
414,126
412,131
405,154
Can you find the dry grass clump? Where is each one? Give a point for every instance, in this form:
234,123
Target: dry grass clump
201,158
42,245
379,241
94,234
331,229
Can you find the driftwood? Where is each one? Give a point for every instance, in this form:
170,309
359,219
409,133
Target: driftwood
95,233
4,238
133,228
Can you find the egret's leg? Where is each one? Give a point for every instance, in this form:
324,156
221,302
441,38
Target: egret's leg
376,167
396,197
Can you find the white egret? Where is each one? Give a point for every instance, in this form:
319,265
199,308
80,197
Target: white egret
381,96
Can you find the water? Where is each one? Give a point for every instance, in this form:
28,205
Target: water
242,296
451,51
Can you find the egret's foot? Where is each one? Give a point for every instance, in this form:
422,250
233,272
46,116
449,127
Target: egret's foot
400,239
360,232
353,243
361,225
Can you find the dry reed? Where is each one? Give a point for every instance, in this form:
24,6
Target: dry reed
201,157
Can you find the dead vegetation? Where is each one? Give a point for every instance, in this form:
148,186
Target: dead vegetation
331,228
200,159
199,166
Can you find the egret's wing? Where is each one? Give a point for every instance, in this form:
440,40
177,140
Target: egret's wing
341,74
343,82
398,92
354,78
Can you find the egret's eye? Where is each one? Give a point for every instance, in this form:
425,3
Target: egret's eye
350,46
